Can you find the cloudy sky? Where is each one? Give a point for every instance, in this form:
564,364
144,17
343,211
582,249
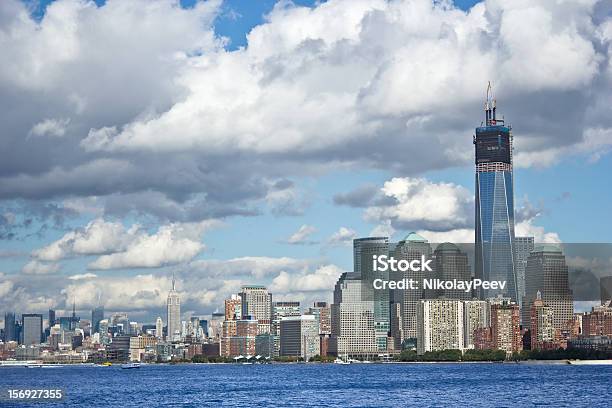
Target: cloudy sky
233,142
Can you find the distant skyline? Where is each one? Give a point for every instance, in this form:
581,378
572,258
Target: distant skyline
245,142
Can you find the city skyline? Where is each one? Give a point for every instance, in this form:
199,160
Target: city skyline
111,204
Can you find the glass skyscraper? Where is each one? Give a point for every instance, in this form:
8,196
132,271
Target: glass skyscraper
494,203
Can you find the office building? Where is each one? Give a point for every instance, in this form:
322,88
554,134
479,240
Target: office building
439,325
605,288
32,329
51,317
257,303
9,327
299,336
322,311
173,315
159,328
233,308
411,248
352,320
452,263
547,273
523,246
494,233
281,310
97,314
364,249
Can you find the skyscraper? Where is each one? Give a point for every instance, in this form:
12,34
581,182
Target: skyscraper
173,316
506,326
605,288
322,312
547,273
257,303
97,314
283,309
364,249
352,319
32,328
494,238
51,317
159,328
452,263
541,325
476,315
440,325
9,327
412,247
522,248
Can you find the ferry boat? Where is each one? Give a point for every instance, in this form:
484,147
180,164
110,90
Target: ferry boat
130,366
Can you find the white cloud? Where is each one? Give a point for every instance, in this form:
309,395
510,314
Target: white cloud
302,235
35,267
457,236
258,267
384,229
82,276
50,127
526,228
344,236
171,244
322,279
413,205
97,237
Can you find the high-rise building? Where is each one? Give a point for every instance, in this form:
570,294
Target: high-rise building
547,273
215,326
506,327
364,249
476,315
411,248
9,327
281,310
32,328
233,308
452,263
257,303
322,312
440,325
299,336
522,248
244,341
352,319
494,235
541,325
51,317
97,314
173,316
159,328
605,288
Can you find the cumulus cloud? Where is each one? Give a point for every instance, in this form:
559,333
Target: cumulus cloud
302,235
412,205
97,237
403,76
82,276
35,267
322,279
50,127
344,237
171,244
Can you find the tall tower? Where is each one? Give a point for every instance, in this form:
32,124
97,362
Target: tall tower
494,203
174,313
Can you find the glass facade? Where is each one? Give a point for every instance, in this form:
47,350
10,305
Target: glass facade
495,210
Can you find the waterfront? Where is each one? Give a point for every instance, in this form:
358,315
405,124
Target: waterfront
355,385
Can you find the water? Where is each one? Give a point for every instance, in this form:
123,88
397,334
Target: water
299,385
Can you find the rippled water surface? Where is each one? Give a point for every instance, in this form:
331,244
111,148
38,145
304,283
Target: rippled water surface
297,385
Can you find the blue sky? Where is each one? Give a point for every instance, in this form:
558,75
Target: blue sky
77,154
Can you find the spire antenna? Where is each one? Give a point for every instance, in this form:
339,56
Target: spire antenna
173,281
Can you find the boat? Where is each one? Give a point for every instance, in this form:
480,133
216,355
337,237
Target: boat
106,364
589,362
130,365
340,361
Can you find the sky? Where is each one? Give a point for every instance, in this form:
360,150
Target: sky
248,142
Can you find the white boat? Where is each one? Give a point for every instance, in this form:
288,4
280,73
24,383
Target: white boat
340,361
130,365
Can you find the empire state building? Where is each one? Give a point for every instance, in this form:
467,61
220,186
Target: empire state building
174,314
